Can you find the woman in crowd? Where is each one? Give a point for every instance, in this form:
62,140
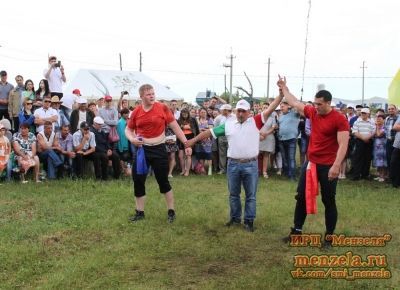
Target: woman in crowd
267,140
5,150
29,92
379,148
172,147
24,143
93,108
123,149
203,148
42,91
190,128
26,115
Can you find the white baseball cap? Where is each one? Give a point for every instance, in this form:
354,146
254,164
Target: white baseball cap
81,101
365,110
98,120
243,104
226,107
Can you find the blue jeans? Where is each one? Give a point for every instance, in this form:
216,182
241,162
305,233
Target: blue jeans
288,151
53,161
246,174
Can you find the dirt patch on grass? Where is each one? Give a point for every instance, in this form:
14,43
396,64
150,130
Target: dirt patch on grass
54,239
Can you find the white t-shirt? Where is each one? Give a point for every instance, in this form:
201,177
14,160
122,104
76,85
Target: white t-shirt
54,79
82,117
68,100
42,113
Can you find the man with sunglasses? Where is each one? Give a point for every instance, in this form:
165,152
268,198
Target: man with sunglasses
243,135
326,150
44,114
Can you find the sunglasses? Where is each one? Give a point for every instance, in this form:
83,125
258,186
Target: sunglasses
29,103
241,111
47,101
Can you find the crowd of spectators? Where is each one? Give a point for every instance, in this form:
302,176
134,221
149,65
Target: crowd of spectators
56,135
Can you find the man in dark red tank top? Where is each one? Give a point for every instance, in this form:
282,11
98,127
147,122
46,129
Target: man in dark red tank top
326,150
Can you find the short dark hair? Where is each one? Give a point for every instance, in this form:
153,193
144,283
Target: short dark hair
326,95
359,106
48,123
124,111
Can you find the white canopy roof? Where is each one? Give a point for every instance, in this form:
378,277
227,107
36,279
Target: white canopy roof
96,83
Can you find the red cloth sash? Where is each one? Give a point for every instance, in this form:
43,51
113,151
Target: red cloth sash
311,188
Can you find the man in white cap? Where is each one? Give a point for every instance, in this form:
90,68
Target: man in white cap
80,115
226,112
243,135
363,131
104,152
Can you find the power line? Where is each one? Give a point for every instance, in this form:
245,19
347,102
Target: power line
305,49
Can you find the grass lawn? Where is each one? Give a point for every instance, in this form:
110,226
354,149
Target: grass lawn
67,235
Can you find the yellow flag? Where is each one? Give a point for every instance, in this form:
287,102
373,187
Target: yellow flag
394,90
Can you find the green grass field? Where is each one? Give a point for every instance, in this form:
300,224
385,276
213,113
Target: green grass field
68,235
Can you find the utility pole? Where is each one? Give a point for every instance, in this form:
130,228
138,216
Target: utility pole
363,77
120,61
231,57
225,83
140,61
269,67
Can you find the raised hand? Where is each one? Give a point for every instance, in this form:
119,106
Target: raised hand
281,82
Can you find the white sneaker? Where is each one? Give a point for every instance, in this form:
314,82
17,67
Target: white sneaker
170,176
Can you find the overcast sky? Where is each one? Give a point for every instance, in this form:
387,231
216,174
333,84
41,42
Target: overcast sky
185,43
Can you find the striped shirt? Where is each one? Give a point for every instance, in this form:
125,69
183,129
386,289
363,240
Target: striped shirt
363,127
389,122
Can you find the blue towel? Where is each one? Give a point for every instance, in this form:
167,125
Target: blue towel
141,165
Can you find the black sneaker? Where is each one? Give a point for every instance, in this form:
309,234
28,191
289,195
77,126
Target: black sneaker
327,244
248,226
288,238
171,216
139,215
233,222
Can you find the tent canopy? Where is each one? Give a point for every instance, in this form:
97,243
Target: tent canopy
394,90
98,83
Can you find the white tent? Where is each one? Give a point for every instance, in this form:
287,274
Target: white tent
96,83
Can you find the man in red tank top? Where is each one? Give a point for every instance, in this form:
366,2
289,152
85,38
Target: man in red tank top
146,128
326,150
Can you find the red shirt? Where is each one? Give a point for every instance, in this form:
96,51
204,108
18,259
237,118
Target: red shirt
152,123
323,144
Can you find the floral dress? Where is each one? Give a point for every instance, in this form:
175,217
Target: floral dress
379,150
170,147
205,144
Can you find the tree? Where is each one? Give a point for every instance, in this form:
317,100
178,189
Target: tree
249,94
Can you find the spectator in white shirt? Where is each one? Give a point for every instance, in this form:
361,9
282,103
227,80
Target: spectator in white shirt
45,113
55,75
